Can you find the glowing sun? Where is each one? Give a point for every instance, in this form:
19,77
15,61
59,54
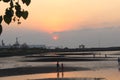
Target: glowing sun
55,37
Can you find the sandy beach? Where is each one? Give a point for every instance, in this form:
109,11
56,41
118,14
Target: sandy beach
37,68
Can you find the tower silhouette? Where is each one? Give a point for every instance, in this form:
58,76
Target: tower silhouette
3,44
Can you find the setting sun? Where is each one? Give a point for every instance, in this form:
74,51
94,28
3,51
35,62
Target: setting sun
55,37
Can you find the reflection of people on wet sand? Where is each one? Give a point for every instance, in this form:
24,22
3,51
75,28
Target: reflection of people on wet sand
58,69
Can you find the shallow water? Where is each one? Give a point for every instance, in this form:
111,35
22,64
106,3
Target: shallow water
95,70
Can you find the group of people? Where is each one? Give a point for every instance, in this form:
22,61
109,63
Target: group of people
60,68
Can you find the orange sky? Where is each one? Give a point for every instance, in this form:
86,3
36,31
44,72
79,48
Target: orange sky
62,15
69,22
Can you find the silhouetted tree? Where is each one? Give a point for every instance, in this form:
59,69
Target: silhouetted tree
13,12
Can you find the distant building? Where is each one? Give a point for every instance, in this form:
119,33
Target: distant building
3,44
37,46
24,45
81,46
16,44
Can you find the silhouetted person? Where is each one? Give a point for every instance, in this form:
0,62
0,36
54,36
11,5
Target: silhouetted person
105,55
93,55
62,68
119,61
119,68
57,66
58,69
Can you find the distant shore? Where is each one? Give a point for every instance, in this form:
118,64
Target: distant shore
6,52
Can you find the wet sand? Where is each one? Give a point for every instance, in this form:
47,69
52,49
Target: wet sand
49,73
45,68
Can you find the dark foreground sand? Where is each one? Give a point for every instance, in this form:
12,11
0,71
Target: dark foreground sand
43,69
35,70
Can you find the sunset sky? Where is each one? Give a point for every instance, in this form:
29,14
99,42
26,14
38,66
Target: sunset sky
68,23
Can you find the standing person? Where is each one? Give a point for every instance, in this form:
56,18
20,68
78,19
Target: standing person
57,69
119,61
62,66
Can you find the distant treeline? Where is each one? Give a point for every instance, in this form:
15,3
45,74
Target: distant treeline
19,52
29,51
85,49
